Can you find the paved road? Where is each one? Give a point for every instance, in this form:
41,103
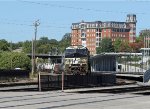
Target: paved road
65,100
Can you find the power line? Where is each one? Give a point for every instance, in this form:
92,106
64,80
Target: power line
17,24
48,26
14,20
21,24
78,8
42,25
129,0
54,23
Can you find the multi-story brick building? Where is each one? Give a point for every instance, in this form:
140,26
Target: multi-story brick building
90,34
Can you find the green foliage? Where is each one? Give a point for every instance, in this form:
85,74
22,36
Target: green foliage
4,46
40,60
98,50
117,45
43,41
12,60
45,45
65,42
5,60
9,46
139,39
27,47
124,47
21,60
16,45
105,46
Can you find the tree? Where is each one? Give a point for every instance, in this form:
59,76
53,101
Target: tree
27,46
16,45
137,45
117,45
21,60
44,49
98,50
105,46
124,47
4,46
44,45
64,42
42,41
12,60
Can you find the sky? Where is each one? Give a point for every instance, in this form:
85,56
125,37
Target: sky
56,16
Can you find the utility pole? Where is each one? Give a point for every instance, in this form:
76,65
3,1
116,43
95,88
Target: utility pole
36,24
32,58
11,52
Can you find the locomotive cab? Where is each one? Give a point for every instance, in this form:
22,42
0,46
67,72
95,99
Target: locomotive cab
76,60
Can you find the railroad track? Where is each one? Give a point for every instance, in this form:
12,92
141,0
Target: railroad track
19,86
33,86
135,89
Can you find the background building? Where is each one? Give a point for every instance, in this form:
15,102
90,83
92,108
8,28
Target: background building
145,34
90,34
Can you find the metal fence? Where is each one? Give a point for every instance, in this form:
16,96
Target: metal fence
12,75
54,81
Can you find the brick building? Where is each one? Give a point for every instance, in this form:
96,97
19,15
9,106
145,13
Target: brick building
90,34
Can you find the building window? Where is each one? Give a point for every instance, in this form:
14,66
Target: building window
97,34
97,30
97,44
82,35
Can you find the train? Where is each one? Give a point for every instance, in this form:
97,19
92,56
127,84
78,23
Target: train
77,60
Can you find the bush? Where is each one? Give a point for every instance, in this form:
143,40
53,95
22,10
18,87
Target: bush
12,60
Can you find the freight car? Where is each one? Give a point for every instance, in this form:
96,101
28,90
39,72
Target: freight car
77,60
